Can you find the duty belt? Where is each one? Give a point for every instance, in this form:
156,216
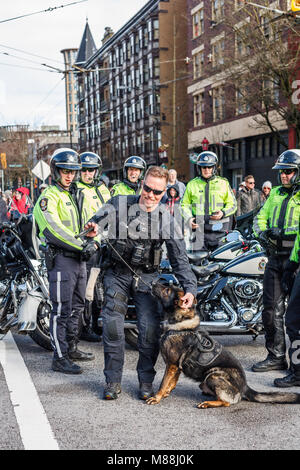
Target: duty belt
68,254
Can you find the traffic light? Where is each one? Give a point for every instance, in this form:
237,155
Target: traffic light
3,161
295,5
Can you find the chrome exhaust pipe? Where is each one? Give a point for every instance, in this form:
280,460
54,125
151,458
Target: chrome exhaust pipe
223,325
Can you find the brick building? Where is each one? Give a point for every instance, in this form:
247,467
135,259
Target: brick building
132,91
215,114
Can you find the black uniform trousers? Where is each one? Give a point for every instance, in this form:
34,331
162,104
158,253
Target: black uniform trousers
119,285
274,306
292,322
67,285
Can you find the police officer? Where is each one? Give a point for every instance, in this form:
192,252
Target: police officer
292,317
133,172
58,218
276,226
140,224
92,193
208,202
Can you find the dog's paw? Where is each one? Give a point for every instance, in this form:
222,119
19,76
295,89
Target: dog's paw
152,401
203,405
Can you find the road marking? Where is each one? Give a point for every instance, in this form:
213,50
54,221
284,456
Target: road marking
35,430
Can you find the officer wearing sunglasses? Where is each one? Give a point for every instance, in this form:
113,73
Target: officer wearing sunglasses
138,226
91,195
276,226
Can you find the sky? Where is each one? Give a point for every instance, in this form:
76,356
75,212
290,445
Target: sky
37,97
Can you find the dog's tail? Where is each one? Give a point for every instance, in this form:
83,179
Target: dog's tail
271,397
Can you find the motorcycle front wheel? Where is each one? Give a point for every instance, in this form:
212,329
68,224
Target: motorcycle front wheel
41,335
131,337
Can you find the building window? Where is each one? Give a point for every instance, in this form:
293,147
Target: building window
198,62
198,23
218,104
242,106
218,48
260,148
218,10
156,67
155,30
198,110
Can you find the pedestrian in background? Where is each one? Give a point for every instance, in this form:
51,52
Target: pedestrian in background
173,180
173,198
3,209
248,198
265,191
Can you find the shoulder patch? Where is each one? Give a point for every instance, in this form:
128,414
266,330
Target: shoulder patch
44,204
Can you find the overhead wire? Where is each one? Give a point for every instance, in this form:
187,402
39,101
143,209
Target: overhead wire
50,9
30,53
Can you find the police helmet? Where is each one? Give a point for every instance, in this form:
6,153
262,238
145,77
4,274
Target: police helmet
134,162
91,160
205,159
290,159
64,158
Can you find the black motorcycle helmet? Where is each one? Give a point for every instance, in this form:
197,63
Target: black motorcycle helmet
91,160
64,158
290,159
204,159
134,162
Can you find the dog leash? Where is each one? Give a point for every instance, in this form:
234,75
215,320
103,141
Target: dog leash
136,276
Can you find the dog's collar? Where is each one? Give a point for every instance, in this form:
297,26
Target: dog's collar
189,324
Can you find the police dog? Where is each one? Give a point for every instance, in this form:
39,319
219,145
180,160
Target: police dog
185,348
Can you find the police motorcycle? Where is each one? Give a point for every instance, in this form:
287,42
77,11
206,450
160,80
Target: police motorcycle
24,301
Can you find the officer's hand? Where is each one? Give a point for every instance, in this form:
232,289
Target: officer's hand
187,300
217,215
193,224
288,277
264,238
93,233
275,233
88,251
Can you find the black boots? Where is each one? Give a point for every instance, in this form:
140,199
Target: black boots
270,363
145,391
65,366
89,335
112,391
291,380
76,355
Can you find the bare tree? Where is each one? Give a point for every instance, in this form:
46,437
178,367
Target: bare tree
263,66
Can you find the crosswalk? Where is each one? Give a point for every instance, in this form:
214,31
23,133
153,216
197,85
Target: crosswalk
34,427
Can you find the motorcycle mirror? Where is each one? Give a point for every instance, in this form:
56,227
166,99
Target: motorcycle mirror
233,236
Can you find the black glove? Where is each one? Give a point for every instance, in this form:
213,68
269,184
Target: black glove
275,233
288,277
264,238
89,250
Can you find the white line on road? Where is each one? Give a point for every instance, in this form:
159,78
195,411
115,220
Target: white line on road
35,430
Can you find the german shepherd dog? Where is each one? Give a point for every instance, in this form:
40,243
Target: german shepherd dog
185,348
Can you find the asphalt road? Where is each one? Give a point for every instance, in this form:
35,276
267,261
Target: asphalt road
80,419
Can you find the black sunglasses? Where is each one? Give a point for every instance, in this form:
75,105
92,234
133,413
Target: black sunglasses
66,171
156,192
287,171
90,170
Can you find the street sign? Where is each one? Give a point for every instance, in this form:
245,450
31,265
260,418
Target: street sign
41,170
15,165
3,161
